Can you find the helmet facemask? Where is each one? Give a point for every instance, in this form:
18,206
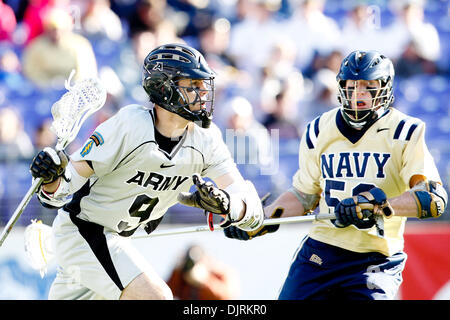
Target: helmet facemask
195,99
374,74
361,105
177,78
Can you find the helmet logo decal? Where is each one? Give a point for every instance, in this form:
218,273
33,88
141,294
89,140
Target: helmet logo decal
158,66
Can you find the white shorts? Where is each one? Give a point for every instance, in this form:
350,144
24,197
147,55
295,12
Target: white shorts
92,263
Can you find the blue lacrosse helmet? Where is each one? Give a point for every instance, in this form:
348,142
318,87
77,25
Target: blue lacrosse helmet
365,65
164,67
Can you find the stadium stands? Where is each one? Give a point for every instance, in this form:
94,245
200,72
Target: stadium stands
423,96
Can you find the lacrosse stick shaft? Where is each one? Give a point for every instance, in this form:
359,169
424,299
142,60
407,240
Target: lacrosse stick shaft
65,134
267,222
23,204
17,213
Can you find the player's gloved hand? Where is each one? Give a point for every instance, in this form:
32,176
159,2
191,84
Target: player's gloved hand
236,233
207,197
361,209
49,165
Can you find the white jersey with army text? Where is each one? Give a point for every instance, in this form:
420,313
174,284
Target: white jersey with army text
338,162
135,181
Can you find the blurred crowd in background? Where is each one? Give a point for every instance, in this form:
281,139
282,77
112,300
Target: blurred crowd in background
276,63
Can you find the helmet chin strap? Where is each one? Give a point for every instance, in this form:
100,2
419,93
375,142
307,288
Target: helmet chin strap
374,114
204,116
183,105
357,125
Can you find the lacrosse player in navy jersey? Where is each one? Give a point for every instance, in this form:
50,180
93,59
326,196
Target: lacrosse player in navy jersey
134,167
368,163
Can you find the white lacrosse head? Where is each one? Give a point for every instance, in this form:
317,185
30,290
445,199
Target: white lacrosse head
39,246
74,107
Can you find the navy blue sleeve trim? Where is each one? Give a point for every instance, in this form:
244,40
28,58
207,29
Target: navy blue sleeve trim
309,142
410,132
401,128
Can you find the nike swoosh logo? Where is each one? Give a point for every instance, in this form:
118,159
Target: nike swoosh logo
166,165
382,129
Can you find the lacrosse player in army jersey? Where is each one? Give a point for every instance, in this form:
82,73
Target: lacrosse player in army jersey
368,163
135,166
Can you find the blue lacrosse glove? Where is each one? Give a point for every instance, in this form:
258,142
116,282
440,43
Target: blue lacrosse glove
360,210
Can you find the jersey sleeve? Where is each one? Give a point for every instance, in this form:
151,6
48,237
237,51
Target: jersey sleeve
307,177
218,160
416,158
106,146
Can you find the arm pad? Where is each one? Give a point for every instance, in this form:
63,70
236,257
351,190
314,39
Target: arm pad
308,201
431,199
254,214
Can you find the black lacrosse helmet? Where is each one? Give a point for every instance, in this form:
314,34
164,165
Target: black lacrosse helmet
365,65
164,67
